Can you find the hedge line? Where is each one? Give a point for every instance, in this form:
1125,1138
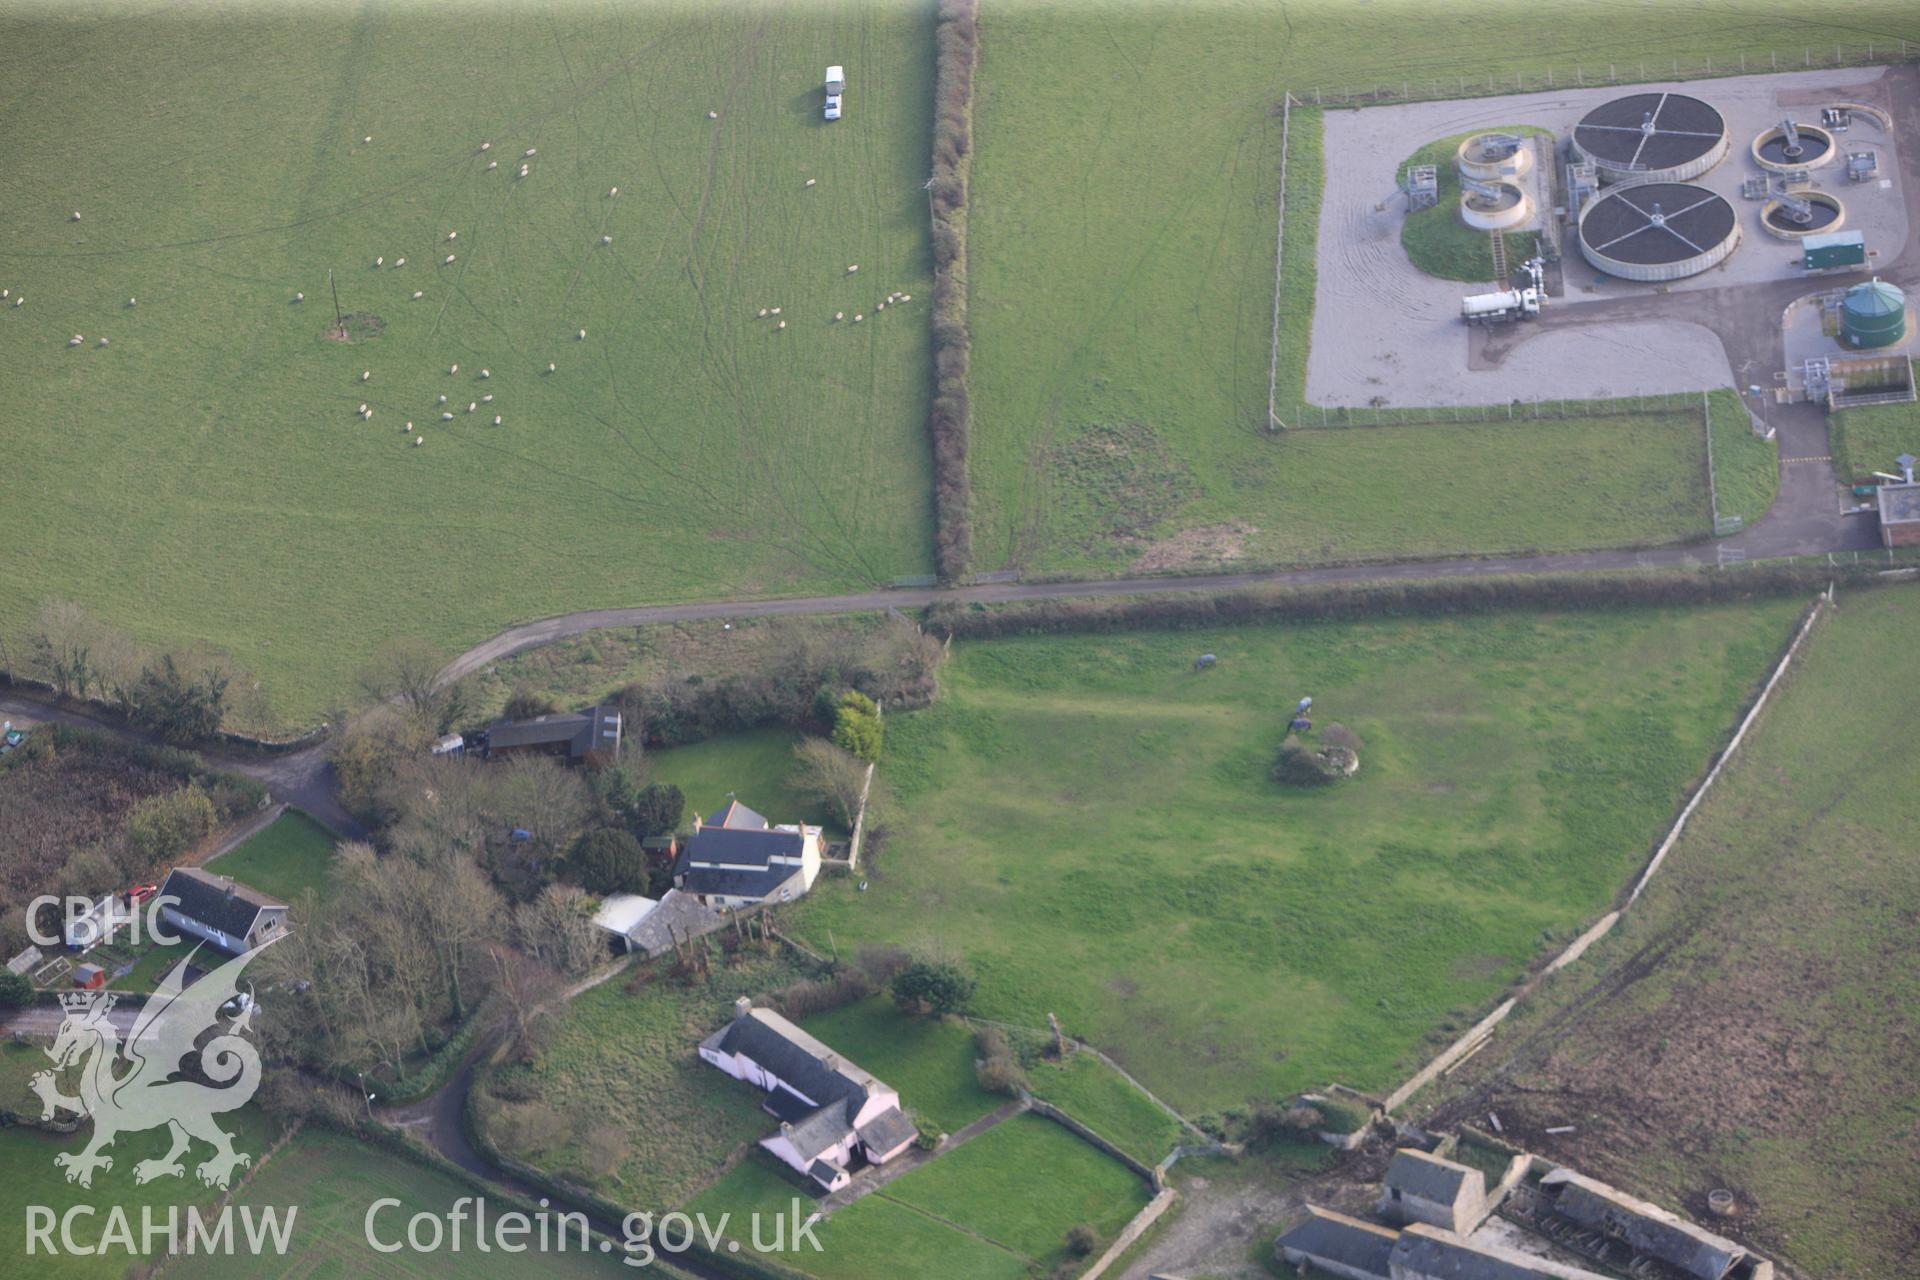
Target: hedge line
1342,602
956,53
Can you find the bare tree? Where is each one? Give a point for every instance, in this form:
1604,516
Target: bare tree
831,774
529,992
544,798
407,671
558,928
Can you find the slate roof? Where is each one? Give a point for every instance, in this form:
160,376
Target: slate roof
821,1131
1335,1237
738,817
580,730
741,839
887,1130
1428,1177
823,1173
794,1057
1645,1227
742,884
1428,1251
679,915
204,897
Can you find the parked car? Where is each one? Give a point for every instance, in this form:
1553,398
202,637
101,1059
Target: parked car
140,893
833,106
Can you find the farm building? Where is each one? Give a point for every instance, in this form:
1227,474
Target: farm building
829,1109
735,859
89,977
1649,1230
622,913
220,910
676,919
1428,1253
590,737
1340,1245
1900,514
1423,1188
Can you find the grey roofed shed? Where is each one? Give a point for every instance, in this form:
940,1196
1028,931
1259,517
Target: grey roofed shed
1428,1253
1429,1177
1324,1237
1644,1227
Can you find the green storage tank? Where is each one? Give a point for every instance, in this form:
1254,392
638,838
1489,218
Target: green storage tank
1873,314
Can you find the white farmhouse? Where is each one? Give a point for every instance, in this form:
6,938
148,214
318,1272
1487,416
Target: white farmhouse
735,859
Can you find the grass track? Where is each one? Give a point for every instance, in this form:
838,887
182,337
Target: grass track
205,480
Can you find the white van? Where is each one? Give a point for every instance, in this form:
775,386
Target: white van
836,86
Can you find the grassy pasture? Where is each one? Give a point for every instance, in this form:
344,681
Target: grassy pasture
1868,440
929,1062
1091,825
205,479
756,766
289,857
1746,466
1122,242
1773,955
335,1180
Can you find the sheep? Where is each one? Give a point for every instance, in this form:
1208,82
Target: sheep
530,150
839,315
486,373
881,307
417,295
776,311
453,235
103,342
454,369
550,366
713,115
855,267
763,313
448,262
487,399
417,440
5,292
583,335
523,171
486,146
379,262
606,239
76,215
857,317
810,181
75,340
361,409
368,415
20,301
299,297
496,419
367,139
781,325
365,374
906,297
471,406
612,193
492,165
399,262
133,302
446,417
443,399
408,427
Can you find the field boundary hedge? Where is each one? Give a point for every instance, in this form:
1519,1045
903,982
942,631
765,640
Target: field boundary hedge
1339,602
949,417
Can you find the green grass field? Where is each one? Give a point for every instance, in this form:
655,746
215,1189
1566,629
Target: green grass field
929,1062
205,479
1099,1097
996,1206
28,1176
1746,466
1772,955
334,1181
756,767
1436,240
1122,254
1091,825
290,857
1868,440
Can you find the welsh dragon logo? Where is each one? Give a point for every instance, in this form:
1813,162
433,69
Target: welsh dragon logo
138,1085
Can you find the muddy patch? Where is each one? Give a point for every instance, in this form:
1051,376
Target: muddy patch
355,327
1210,544
1112,484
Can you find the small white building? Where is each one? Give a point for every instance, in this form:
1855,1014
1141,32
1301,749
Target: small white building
220,910
620,914
829,1109
1425,1188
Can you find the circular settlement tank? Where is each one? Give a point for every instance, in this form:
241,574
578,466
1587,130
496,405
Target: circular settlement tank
1823,213
1873,314
1664,137
1488,157
1658,231
1809,148
1510,210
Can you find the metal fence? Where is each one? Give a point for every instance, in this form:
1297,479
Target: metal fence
1315,416
1588,75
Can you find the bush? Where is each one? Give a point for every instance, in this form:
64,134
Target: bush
174,705
608,861
1338,735
948,425
656,810
1081,1240
932,987
857,728
163,827
806,998
997,1069
1299,765
15,990
524,703
1269,1123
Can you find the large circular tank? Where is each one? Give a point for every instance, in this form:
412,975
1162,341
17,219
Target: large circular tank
1492,156
1510,209
1873,314
1666,137
1658,231
1809,148
1823,213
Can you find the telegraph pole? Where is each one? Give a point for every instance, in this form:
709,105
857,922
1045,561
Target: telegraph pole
338,323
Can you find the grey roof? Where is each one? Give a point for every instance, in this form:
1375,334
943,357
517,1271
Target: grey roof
803,1063
1440,1255
1334,1237
218,902
824,1129
679,916
581,731
1899,503
728,883
823,1173
1646,1228
1428,1177
887,1130
738,817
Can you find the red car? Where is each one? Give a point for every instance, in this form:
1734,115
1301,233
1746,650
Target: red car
140,892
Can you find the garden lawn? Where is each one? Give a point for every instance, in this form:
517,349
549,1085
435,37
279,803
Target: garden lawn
1101,1098
206,479
1437,241
928,1061
290,857
628,1060
1868,440
1121,262
28,1176
755,767
1772,955
1746,465
334,1181
1090,824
